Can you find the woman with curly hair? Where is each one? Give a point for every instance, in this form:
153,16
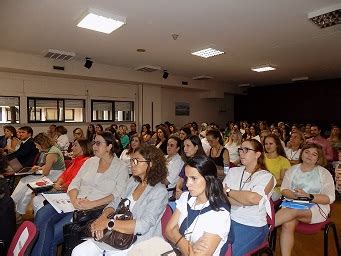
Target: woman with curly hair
148,199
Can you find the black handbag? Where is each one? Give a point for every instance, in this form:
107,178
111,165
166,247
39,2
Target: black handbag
79,228
117,239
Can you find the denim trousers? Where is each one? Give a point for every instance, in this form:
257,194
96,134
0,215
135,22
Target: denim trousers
247,238
50,225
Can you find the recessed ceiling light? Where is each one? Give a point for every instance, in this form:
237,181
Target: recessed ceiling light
263,68
208,52
101,21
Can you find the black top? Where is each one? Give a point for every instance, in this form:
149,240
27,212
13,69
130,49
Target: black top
219,161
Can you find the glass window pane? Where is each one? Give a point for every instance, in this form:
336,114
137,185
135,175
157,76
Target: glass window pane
102,111
124,111
74,110
9,109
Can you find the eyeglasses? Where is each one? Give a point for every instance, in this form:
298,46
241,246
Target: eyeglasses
97,143
245,150
136,161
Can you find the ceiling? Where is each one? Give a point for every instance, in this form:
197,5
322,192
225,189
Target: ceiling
251,32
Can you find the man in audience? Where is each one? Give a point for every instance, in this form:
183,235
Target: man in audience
318,139
132,130
27,150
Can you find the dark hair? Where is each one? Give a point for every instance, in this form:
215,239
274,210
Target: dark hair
215,134
165,134
157,171
321,158
100,126
280,149
43,140
110,140
258,147
186,130
195,140
11,129
214,188
86,146
27,129
130,149
90,135
3,164
61,129
177,139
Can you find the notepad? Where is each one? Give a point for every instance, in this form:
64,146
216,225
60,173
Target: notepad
61,202
296,204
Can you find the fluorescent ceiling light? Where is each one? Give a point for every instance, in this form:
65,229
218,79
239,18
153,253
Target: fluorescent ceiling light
208,52
303,78
263,68
101,21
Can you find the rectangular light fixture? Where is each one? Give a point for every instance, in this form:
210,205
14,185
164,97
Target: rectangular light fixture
263,68
208,52
101,21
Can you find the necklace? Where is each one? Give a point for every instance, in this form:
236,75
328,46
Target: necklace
246,181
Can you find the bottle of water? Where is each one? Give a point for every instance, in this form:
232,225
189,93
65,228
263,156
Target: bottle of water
226,168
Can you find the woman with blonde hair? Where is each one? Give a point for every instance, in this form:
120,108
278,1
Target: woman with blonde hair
234,142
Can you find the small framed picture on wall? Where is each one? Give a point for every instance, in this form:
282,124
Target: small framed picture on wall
182,109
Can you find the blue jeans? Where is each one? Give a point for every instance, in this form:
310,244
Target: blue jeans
50,224
247,238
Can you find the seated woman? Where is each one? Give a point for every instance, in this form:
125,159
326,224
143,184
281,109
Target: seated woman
101,179
249,189
235,140
81,150
161,139
135,142
53,167
62,139
148,199
124,138
294,145
146,133
13,143
90,132
276,161
307,179
202,215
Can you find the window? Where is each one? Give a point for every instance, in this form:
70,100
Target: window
114,111
9,109
55,110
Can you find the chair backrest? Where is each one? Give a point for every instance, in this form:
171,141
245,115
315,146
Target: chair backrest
23,239
271,221
165,218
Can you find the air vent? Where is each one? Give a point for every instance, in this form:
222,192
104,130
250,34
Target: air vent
202,78
326,17
147,68
59,55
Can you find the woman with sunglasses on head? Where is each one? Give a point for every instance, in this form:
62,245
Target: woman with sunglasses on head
311,180
249,189
101,179
200,224
148,199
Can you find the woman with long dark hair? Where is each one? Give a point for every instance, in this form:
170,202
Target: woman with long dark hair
249,189
202,213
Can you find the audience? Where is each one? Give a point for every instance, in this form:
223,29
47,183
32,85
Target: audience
135,142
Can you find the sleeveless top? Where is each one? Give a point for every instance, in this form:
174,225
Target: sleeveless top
219,161
59,164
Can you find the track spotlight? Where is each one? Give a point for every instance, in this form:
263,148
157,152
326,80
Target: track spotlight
88,63
165,74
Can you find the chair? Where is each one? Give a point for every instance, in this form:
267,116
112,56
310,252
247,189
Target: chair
23,240
311,229
264,248
165,218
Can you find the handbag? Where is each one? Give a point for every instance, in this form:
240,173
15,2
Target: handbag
115,238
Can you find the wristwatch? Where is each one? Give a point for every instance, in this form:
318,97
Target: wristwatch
311,196
111,224
227,191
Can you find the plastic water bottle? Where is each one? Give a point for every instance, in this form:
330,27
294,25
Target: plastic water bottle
226,168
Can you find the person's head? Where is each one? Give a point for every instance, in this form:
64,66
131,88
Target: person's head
184,133
335,132
146,128
263,134
133,127
162,134
82,147
214,138
294,128
194,129
315,130
78,133
202,181
98,128
251,154
91,128
312,154
105,144
296,139
134,143
276,131
193,146
236,137
148,164
52,129
203,126
10,131
25,132
61,130
43,142
307,128
173,145
172,128
253,130
273,145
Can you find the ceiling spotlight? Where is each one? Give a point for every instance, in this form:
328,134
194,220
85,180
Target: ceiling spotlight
165,74
88,63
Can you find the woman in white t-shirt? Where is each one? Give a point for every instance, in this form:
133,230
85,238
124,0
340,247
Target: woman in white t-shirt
293,149
235,140
134,143
201,221
249,189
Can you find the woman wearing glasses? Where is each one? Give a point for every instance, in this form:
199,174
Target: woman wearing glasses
101,179
148,199
249,189
307,179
